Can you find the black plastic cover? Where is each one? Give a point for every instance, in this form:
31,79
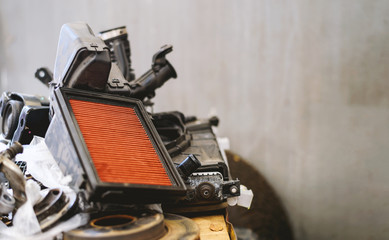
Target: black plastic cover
83,60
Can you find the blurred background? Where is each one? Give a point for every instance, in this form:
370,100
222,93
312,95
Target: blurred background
301,89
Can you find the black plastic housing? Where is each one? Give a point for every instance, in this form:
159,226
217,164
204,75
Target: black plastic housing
23,116
83,60
33,121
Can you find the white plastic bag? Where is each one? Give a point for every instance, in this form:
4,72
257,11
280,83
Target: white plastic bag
42,166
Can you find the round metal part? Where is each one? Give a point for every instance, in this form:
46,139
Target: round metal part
121,226
54,201
112,221
54,206
233,189
206,190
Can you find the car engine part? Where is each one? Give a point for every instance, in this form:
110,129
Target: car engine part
121,160
210,184
117,41
55,206
13,173
23,116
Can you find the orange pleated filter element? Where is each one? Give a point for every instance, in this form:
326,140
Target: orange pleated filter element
118,144
111,149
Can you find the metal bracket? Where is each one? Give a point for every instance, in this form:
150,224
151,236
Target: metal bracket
13,173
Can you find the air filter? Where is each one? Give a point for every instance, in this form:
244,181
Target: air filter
111,149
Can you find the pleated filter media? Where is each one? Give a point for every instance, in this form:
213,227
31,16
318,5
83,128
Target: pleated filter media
119,146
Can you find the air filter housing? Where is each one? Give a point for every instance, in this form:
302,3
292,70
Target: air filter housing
111,149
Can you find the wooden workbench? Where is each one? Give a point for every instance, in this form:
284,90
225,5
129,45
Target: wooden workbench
214,227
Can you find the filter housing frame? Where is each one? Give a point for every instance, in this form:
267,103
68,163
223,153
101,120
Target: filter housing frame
65,141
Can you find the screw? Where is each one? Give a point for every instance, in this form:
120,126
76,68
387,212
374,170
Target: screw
233,189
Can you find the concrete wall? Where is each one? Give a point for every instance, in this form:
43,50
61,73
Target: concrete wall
301,88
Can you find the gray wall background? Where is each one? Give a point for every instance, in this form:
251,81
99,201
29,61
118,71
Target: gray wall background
301,88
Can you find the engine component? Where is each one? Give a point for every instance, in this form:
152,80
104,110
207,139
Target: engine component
55,206
172,130
188,166
210,184
13,173
117,41
23,167
145,86
122,160
161,71
83,60
7,201
108,146
121,226
44,75
23,116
